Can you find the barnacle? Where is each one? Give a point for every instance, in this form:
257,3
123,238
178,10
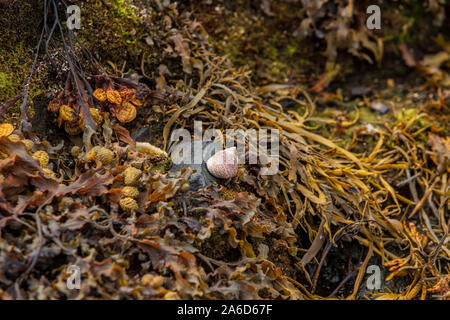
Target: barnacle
131,192
50,173
100,95
75,151
72,128
223,164
6,129
114,97
42,156
14,138
66,113
28,144
2,178
131,176
101,154
128,204
126,113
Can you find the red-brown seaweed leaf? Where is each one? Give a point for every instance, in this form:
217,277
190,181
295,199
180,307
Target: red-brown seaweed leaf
24,174
189,280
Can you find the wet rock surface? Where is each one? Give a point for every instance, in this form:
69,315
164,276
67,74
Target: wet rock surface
201,177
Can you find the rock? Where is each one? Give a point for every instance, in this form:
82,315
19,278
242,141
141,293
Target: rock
142,134
202,177
379,107
359,91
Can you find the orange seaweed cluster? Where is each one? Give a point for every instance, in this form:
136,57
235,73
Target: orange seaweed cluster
122,103
73,121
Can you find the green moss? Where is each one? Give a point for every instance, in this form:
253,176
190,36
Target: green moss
124,9
162,166
369,116
270,53
414,22
114,33
405,116
245,41
291,49
228,195
158,127
16,63
6,87
126,13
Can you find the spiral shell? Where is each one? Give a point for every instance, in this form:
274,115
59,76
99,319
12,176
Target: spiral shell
128,204
126,113
6,129
224,164
42,156
131,176
100,95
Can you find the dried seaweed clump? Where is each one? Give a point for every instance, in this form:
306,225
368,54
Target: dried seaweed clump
6,129
119,99
42,157
114,95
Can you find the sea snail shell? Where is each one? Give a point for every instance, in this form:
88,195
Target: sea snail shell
223,164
